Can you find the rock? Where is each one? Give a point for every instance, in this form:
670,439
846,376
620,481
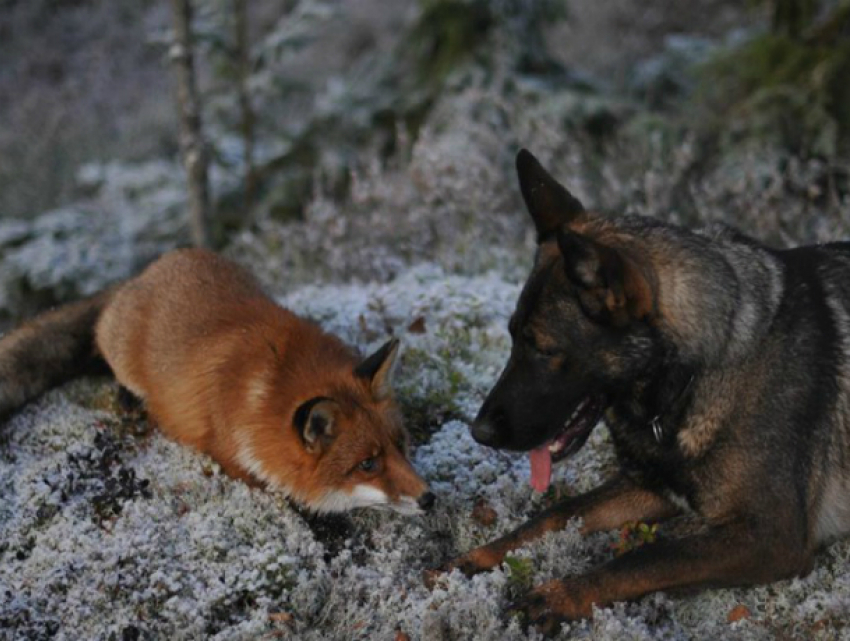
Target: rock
135,213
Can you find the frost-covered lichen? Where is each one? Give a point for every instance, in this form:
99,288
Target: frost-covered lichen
193,554
408,222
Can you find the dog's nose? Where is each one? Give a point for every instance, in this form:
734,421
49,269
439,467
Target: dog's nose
484,432
426,501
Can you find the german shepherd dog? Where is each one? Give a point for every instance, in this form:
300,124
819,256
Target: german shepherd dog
722,369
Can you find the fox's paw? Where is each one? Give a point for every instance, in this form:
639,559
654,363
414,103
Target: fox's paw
472,563
549,605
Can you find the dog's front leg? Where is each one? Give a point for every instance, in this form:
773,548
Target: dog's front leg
736,553
608,506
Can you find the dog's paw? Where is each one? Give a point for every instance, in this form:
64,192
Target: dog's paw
472,563
549,605
432,577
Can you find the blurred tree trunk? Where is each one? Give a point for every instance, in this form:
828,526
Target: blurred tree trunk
192,145
243,71
792,17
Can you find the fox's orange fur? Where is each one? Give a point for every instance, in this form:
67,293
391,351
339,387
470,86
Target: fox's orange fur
270,396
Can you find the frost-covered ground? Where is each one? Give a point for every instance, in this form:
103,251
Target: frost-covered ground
110,531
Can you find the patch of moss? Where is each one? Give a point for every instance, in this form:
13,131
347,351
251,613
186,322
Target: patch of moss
793,91
428,402
633,535
520,573
447,33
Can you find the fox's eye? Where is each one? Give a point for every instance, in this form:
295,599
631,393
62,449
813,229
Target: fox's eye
368,465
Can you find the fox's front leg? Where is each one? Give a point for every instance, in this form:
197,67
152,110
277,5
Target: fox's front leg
608,506
736,553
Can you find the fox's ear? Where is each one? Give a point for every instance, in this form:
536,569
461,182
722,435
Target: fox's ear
613,288
547,200
314,420
378,369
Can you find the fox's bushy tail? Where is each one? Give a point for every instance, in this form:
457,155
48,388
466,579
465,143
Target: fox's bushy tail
49,349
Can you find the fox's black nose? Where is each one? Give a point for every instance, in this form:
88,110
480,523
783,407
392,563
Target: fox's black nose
484,432
426,501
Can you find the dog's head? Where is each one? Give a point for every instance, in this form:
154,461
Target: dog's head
581,331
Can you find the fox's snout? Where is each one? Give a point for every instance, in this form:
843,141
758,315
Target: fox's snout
409,505
413,496
369,496
413,500
426,501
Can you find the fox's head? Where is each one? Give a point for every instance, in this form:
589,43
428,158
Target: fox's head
346,446
582,328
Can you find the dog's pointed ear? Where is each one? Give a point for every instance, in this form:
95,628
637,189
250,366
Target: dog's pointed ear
314,421
378,369
547,200
613,288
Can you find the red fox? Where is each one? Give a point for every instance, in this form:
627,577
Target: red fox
222,368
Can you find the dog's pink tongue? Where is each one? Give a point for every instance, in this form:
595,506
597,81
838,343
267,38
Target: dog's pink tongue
541,468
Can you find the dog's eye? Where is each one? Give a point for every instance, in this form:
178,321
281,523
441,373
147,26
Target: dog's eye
531,340
368,465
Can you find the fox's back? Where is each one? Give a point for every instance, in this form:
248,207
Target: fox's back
182,303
